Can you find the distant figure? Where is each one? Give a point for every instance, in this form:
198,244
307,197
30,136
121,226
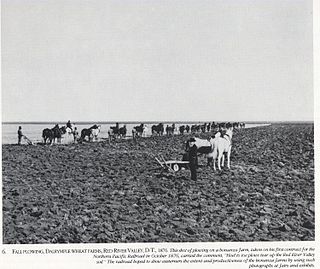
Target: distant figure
69,124
145,131
75,134
193,158
208,127
181,129
20,135
134,134
167,130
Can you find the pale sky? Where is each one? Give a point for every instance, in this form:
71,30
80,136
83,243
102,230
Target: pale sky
147,60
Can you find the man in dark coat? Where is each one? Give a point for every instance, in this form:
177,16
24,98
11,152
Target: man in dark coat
193,158
20,135
69,125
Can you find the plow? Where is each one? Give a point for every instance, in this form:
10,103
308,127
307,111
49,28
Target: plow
172,165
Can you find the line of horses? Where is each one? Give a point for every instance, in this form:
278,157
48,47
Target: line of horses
196,128
57,133
160,130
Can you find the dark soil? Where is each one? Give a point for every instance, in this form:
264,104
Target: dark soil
96,192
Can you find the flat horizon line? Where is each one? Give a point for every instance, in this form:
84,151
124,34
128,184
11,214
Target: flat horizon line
148,122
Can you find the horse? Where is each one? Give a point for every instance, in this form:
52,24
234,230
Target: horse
203,145
157,129
47,134
123,131
229,125
53,134
117,132
170,129
195,128
182,129
56,134
113,132
60,133
139,129
95,130
69,135
222,125
91,133
214,127
203,128
221,145
235,125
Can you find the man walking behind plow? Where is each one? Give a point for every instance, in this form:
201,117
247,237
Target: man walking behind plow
20,135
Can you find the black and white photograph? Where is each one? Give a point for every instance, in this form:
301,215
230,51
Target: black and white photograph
146,121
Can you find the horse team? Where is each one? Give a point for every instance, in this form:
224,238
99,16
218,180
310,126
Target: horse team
217,145
56,134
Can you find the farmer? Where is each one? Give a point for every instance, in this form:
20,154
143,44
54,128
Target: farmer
75,134
193,158
69,124
20,135
134,134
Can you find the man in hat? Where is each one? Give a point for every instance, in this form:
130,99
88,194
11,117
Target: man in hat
193,158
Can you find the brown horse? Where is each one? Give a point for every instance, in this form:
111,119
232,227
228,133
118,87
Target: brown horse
53,134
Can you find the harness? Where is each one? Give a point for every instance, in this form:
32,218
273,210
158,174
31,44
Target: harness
227,139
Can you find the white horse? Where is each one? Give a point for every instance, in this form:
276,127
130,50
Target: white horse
95,132
220,146
67,137
202,143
